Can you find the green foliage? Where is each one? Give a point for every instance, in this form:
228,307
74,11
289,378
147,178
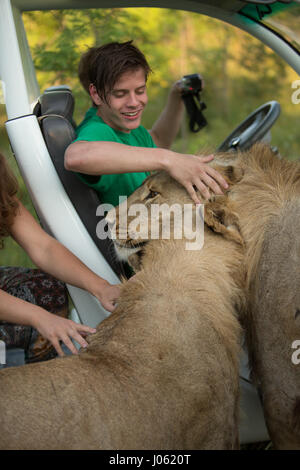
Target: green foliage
240,73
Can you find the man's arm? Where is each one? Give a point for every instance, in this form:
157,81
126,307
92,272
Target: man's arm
100,158
104,158
168,124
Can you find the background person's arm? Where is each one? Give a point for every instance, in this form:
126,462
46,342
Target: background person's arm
52,257
51,327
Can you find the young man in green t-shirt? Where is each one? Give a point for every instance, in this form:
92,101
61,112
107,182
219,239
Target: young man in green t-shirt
113,152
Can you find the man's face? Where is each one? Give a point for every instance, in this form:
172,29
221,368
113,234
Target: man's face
125,103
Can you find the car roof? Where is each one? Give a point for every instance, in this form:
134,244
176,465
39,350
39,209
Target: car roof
226,5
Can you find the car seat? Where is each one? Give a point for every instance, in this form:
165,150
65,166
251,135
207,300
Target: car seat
54,111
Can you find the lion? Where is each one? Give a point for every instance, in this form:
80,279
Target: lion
265,199
267,203
162,371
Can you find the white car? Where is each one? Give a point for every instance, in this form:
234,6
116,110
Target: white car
40,128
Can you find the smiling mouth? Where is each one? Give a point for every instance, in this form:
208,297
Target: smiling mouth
132,114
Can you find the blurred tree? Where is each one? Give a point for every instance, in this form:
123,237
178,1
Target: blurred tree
240,72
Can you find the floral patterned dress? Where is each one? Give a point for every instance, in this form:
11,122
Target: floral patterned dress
39,288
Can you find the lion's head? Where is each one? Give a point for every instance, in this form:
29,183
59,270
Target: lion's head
161,208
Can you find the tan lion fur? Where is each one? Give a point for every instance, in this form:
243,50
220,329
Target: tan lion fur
161,372
267,203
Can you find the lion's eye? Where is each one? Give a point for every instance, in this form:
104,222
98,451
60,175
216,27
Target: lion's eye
151,195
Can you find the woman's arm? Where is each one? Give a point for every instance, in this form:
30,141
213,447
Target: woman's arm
52,257
51,327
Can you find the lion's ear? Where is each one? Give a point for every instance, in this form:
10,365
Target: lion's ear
232,174
221,219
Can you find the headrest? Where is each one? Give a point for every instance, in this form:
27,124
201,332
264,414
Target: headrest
57,101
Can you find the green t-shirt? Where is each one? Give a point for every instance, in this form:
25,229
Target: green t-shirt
110,187
91,112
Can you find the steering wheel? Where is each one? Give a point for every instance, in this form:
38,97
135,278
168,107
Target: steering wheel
253,128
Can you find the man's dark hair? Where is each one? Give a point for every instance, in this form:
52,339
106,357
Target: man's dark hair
107,63
84,68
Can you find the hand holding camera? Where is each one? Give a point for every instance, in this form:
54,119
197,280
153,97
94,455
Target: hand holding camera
191,86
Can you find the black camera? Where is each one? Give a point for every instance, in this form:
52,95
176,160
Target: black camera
191,84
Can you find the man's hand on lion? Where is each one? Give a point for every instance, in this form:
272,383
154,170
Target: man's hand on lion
194,174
